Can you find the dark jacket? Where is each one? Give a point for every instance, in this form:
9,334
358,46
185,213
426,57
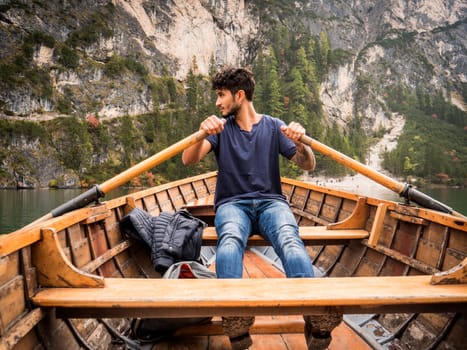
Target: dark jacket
172,237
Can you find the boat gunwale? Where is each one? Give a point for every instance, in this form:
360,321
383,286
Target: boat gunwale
95,217
23,237
424,213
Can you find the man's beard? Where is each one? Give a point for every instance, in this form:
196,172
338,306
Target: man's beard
233,111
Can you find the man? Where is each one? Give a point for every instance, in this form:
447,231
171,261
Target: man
248,195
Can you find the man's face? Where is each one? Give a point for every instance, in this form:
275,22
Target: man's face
226,102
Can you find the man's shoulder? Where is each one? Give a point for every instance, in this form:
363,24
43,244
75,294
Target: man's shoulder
272,120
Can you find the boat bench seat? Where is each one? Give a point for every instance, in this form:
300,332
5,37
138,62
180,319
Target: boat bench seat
311,235
139,297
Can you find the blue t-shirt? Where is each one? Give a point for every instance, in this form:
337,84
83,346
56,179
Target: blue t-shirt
248,161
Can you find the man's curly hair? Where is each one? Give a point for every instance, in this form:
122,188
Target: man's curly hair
235,79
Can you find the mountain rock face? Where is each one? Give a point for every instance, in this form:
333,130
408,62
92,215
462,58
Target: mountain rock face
183,30
405,41
72,42
412,43
175,34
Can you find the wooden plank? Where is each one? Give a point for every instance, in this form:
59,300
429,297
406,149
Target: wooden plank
12,302
193,298
295,341
164,201
150,205
32,233
357,219
267,269
405,260
344,338
458,274
253,270
54,269
106,256
9,267
271,342
201,207
317,235
377,227
21,328
217,342
98,216
80,252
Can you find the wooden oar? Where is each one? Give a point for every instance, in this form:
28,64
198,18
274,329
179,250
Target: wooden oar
99,191
404,190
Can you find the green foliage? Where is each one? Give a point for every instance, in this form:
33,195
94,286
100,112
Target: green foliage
70,137
91,31
288,73
41,82
398,39
193,94
53,183
288,77
13,4
117,65
40,38
130,139
64,105
423,149
351,144
340,57
464,91
68,57
12,128
19,71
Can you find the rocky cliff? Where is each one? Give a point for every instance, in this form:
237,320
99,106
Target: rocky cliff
62,57
412,43
156,34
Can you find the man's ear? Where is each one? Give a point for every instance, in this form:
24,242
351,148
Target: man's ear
240,95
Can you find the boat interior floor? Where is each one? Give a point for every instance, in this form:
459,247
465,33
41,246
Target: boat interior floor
268,332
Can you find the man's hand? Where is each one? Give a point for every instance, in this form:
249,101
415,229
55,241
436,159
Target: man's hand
293,131
193,154
212,125
304,157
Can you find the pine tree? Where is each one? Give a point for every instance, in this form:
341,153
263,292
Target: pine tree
324,48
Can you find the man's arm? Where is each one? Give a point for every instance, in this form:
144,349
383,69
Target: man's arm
193,154
196,152
304,157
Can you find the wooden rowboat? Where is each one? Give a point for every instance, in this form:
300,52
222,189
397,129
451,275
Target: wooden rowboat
397,272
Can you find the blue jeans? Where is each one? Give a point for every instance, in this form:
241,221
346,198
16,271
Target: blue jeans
273,219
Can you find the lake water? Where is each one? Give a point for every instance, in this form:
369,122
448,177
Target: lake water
20,207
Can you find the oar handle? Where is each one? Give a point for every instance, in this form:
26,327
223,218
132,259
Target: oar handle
403,190
353,164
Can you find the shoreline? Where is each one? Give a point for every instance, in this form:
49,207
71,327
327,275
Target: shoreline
362,185
357,184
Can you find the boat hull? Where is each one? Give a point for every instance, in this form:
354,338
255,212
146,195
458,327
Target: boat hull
83,247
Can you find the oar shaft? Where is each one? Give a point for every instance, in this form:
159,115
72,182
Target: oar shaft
403,190
98,191
354,165
151,162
